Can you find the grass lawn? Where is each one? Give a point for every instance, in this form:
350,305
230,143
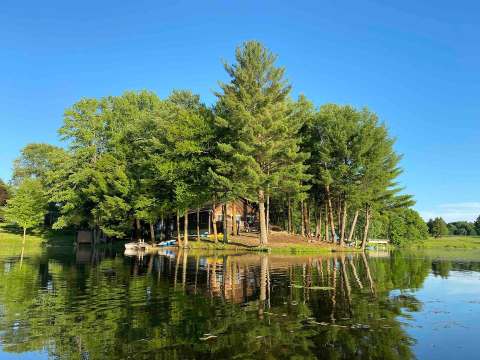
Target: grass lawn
11,243
11,240
279,243
451,242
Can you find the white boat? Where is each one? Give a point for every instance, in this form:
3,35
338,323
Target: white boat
132,246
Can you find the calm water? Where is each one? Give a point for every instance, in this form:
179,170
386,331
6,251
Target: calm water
70,304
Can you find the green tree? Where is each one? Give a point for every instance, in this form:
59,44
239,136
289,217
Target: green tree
462,228
452,228
406,226
258,139
477,224
3,193
37,161
187,145
27,207
353,167
92,186
439,227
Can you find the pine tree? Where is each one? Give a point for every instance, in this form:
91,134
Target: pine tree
258,138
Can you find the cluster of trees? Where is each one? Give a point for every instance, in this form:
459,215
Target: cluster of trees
464,227
438,227
133,159
402,227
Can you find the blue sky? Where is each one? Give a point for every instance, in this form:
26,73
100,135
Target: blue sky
415,63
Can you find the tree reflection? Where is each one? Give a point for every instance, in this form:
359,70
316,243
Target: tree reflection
253,306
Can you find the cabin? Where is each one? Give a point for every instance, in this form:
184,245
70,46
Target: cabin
240,211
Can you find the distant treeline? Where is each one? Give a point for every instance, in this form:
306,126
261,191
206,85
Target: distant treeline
438,227
328,172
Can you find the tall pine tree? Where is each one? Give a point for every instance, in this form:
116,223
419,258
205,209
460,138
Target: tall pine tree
259,138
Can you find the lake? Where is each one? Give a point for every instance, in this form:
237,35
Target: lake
67,303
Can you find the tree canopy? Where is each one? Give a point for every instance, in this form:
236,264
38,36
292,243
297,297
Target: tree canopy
438,227
327,172
27,207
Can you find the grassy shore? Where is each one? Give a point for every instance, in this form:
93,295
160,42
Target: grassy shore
11,239
451,242
279,243
11,243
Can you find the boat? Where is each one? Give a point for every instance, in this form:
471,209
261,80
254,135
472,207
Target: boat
136,245
167,243
131,252
141,245
131,246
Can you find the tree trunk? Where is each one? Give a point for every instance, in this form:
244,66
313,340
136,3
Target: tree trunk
267,213
330,213
339,218
234,219
289,215
344,222
292,222
318,229
327,236
261,210
302,227
320,223
179,239
152,233
214,222
306,218
185,229
138,228
365,229
225,223
23,245
198,224
163,228
94,234
352,229
209,223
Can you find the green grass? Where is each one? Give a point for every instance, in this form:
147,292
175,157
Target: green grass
11,240
451,242
209,245
11,244
300,249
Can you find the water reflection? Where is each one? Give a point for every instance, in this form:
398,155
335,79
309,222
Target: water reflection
100,304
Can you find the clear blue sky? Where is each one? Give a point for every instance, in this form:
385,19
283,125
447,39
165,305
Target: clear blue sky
416,63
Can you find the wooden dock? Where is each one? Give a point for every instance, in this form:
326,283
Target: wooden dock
379,242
